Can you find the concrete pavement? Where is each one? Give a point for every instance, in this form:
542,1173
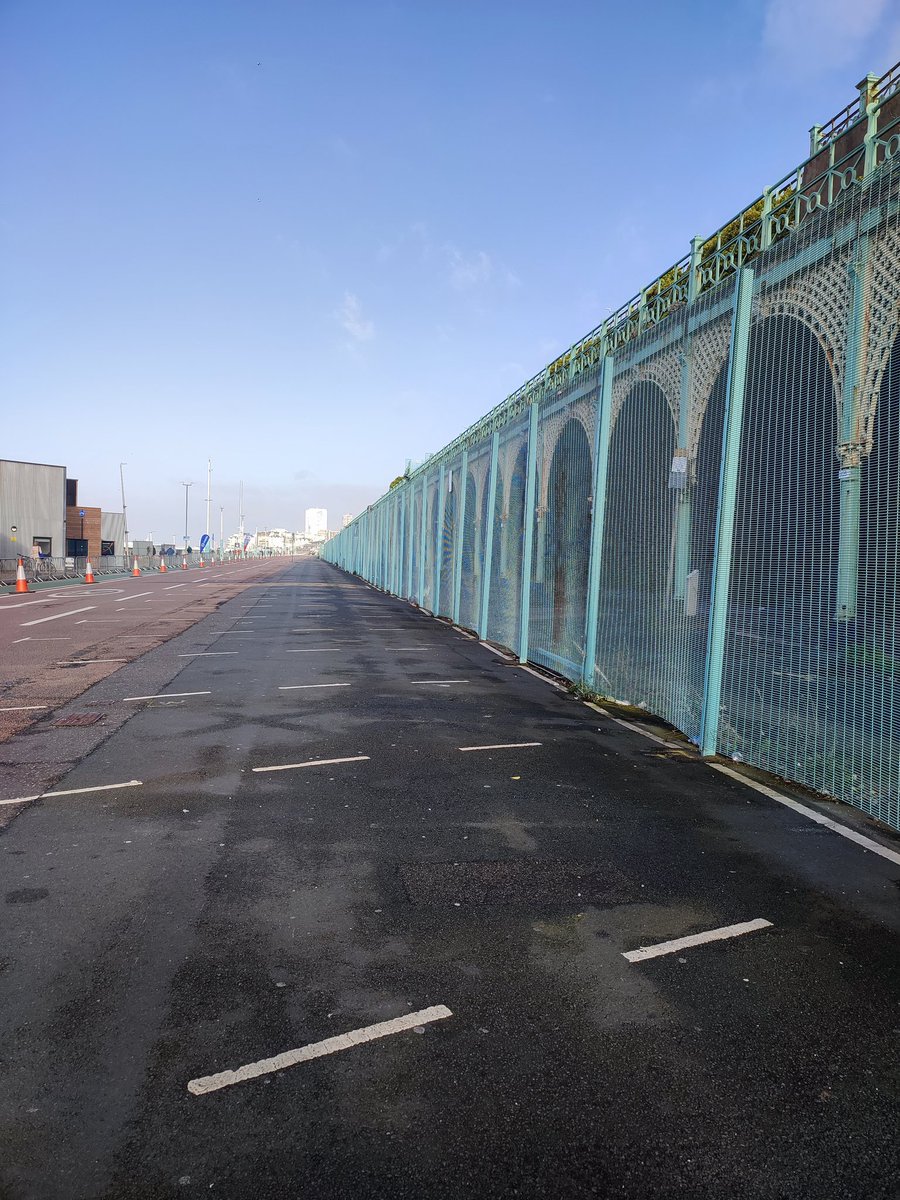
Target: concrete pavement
341,812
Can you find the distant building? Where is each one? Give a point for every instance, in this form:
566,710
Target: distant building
348,517
112,533
83,525
316,523
32,509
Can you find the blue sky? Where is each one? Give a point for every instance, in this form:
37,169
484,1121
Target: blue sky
312,240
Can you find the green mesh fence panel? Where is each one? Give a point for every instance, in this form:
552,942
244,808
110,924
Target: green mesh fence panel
431,495
779,643
562,534
416,539
453,483
473,535
870,762
636,614
504,612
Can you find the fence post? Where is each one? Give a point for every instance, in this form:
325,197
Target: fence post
439,548
528,548
460,535
598,517
489,538
850,447
868,108
728,477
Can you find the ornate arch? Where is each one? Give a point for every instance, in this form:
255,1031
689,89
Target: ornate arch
819,298
584,411
709,353
663,369
508,456
478,468
882,325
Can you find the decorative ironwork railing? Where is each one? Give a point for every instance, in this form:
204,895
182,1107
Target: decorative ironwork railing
812,186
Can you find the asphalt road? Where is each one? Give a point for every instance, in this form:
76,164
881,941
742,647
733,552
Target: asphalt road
215,914
56,642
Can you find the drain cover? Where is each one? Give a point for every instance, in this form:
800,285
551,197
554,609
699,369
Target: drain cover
538,882
84,718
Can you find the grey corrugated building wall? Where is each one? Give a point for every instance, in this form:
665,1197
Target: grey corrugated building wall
112,531
32,508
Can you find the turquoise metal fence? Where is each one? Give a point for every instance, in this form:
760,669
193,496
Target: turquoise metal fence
695,509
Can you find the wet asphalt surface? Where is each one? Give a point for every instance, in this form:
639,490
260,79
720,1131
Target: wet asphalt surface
215,916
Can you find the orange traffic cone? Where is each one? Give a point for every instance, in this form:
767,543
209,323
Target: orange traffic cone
88,572
162,566
184,562
201,561
135,570
21,581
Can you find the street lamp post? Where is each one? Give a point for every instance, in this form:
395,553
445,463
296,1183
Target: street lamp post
122,467
208,529
186,485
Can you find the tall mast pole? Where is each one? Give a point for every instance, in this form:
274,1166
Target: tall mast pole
208,529
122,467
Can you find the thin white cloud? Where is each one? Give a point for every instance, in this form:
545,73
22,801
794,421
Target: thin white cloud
469,272
813,36
351,318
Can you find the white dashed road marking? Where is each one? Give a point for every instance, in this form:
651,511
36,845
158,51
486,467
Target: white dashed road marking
25,708
696,939
78,662
343,1041
166,695
58,616
136,596
207,654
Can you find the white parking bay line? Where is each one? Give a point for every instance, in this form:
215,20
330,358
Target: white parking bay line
317,650
500,746
58,616
136,596
103,787
166,695
25,708
441,682
313,762
696,939
343,1041
296,687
